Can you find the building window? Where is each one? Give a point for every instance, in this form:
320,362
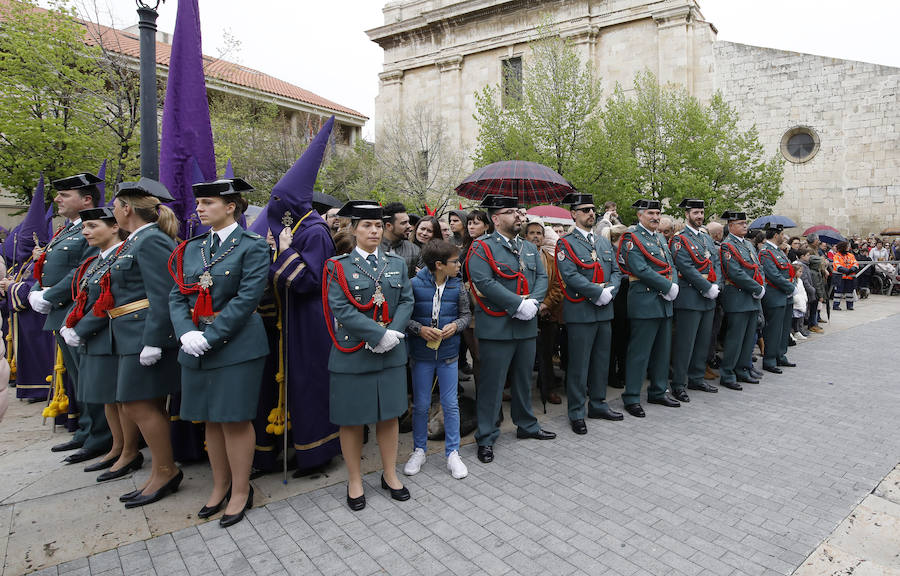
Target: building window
512,80
799,144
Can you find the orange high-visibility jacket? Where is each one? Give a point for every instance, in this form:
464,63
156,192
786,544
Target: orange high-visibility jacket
847,260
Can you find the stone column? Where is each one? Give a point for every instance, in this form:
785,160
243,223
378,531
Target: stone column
451,99
390,96
675,42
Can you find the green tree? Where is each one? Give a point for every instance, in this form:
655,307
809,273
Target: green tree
356,174
48,104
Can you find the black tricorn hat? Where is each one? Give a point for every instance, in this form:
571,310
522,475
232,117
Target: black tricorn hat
83,180
731,215
361,210
770,226
498,202
144,187
222,187
644,204
102,213
689,203
575,199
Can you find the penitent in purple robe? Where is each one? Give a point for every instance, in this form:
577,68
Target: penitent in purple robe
35,349
297,275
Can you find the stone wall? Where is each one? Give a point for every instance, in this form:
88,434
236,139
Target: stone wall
853,181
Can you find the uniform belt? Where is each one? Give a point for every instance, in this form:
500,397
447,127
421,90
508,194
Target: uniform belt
705,276
128,308
633,278
206,319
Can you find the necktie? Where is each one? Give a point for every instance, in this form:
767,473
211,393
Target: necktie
214,245
590,238
373,261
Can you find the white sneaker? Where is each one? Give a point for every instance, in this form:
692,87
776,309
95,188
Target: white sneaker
414,464
799,336
456,467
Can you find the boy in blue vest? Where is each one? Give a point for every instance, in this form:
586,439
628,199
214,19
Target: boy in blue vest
440,314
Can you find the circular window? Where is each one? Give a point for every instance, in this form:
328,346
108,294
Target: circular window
800,144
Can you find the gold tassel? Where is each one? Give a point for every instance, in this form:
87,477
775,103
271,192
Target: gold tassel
60,402
279,417
10,351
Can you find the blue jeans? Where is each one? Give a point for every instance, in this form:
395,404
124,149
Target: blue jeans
423,372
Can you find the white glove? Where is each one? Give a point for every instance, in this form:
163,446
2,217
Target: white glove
38,304
194,343
527,310
712,293
761,294
672,294
69,335
150,355
390,339
605,297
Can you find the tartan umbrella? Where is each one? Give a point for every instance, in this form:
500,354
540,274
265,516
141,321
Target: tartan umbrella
530,182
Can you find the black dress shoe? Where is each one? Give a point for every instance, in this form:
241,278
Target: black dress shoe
66,446
208,511
578,426
124,470
635,410
231,519
169,487
665,400
703,387
486,454
101,465
541,434
129,495
605,413
681,395
787,364
754,373
82,456
731,385
399,494
356,504
747,379
773,369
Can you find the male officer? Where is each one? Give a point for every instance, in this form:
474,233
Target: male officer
698,287
644,256
740,301
591,277
509,282
52,295
778,303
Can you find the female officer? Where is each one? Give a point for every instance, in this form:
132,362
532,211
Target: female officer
133,295
370,296
220,278
97,361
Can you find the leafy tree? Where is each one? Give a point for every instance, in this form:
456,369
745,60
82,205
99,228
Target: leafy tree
356,174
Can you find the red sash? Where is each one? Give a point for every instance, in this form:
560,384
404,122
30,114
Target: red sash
757,275
337,272
521,281
790,269
597,278
703,266
665,268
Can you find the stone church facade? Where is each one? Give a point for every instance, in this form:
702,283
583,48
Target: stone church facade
833,120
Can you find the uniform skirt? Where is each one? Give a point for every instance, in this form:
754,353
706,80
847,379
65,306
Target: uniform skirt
97,378
136,382
357,399
226,394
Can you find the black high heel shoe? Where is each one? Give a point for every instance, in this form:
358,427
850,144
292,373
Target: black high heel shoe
101,465
356,504
208,511
169,487
400,495
130,495
124,470
232,519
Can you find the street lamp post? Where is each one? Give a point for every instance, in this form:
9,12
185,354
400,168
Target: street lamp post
149,139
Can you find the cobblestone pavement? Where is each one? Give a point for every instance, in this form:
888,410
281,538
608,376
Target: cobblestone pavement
733,483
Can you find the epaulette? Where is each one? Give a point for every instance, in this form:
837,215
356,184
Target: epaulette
198,236
251,234
393,255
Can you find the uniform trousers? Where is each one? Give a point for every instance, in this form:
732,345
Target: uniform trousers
92,427
650,345
588,373
786,325
502,357
740,335
691,346
773,334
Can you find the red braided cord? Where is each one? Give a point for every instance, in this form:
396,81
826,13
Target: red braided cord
78,295
203,305
598,270
665,267
337,271
757,276
767,252
703,266
38,270
521,281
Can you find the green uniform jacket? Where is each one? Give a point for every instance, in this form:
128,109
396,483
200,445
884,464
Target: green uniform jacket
63,255
648,286
499,294
779,288
692,285
96,337
578,280
240,271
740,287
354,326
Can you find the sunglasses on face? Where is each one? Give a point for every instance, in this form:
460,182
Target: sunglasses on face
585,210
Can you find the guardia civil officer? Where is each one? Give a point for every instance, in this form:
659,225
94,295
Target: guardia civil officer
220,278
644,256
133,296
98,363
740,301
52,295
369,297
778,302
508,282
697,260
591,277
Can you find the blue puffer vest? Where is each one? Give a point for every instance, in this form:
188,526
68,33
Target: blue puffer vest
423,292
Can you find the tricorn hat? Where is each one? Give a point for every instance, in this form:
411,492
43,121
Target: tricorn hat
770,226
498,202
689,203
102,213
221,187
731,215
361,210
144,187
575,199
645,204
77,181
